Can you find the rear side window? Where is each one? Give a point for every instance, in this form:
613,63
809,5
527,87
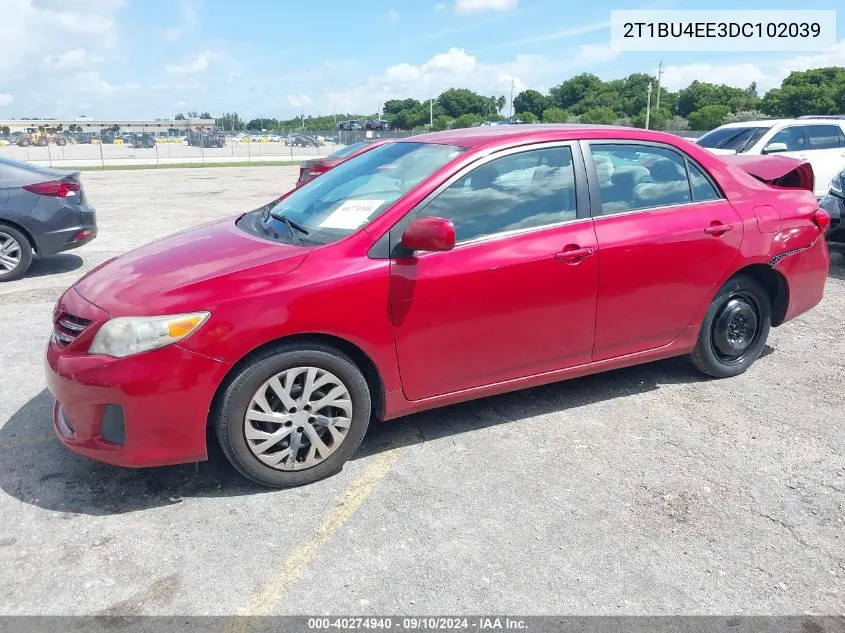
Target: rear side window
519,191
823,136
702,189
633,177
792,137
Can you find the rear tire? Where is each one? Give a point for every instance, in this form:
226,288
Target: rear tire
735,328
269,412
15,253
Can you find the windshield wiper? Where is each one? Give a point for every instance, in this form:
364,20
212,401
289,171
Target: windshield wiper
293,227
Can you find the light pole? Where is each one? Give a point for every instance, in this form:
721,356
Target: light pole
648,106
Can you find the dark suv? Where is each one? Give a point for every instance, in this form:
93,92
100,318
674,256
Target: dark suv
834,204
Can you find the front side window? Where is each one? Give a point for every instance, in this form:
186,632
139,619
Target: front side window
792,137
357,191
633,177
823,136
525,190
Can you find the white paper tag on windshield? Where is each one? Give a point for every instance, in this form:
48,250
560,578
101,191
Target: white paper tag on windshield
351,214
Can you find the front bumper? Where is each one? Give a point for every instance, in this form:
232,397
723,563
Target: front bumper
161,398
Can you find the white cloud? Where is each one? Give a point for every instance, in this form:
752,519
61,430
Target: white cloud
458,68
189,85
558,35
171,34
299,101
767,74
198,64
71,60
392,15
478,6
233,76
5,99
91,81
440,6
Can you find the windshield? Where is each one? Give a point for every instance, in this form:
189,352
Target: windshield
738,139
358,190
343,152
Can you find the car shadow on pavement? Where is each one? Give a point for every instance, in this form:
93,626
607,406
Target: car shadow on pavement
36,469
54,265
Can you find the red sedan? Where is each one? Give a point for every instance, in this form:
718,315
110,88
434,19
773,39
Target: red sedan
428,271
310,169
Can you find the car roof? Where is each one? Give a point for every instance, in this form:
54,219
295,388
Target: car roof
773,122
506,134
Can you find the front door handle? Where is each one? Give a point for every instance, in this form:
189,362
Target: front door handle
573,256
717,228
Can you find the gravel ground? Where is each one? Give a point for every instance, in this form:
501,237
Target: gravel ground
644,490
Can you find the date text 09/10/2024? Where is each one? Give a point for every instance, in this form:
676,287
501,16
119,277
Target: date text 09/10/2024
418,623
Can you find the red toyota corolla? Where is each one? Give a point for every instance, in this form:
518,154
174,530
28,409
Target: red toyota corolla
428,271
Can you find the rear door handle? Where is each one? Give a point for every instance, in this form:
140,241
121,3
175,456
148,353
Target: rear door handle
573,256
717,228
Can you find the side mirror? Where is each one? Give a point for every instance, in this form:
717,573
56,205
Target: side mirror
429,234
772,148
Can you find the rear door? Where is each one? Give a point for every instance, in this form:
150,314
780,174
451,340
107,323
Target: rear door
517,294
666,235
825,152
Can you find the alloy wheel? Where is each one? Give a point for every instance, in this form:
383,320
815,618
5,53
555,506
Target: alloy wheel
298,418
10,253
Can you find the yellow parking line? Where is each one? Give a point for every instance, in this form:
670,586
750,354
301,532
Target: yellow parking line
268,597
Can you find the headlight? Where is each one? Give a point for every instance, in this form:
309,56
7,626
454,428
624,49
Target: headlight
129,335
836,184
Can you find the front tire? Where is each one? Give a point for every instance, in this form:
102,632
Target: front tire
735,328
295,414
15,253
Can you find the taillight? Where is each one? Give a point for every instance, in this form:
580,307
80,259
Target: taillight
54,188
822,219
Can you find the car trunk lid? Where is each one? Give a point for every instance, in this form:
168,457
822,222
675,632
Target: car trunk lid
778,171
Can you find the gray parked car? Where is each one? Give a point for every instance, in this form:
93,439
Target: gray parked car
42,212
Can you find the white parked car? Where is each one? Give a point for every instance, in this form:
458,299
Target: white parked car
820,142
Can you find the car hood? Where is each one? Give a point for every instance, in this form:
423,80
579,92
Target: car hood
189,271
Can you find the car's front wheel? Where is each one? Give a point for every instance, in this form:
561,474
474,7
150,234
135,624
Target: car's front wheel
735,328
15,253
294,414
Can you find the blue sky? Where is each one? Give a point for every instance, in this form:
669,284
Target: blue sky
152,58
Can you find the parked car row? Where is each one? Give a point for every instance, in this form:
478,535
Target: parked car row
353,124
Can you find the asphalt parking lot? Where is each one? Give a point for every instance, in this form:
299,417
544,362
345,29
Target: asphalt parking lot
645,490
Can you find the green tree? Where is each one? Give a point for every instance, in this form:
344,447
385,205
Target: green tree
206,115
816,91
527,117
555,115
658,119
708,117
599,116
467,120
441,123
458,101
530,101
574,90
179,117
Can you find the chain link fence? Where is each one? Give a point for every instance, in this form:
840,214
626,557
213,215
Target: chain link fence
111,148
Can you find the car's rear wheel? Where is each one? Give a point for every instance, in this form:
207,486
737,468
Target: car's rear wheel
293,415
735,328
15,253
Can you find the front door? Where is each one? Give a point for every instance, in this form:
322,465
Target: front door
666,236
513,298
